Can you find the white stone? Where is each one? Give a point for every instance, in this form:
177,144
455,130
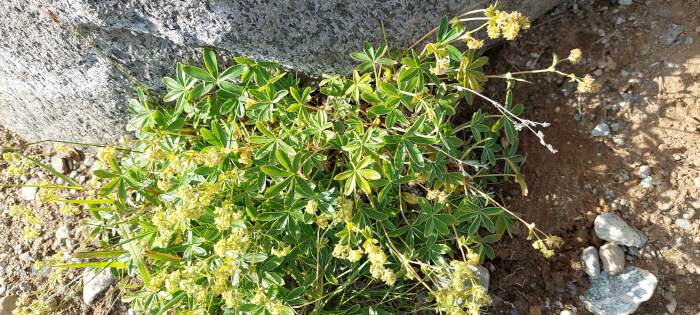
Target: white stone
29,193
612,228
93,284
613,258
684,224
590,262
62,232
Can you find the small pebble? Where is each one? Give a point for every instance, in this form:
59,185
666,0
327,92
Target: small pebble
688,40
615,126
684,224
624,73
625,2
689,214
666,206
577,117
598,72
644,171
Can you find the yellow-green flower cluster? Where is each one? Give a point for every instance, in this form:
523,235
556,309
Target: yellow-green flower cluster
441,64
37,307
587,85
69,209
33,228
226,216
159,219
440,195
378,258
17,167
107,153
286,249
575,56
235,244
472,43
46,192
508,24
547,245
341,251
462,286
344,214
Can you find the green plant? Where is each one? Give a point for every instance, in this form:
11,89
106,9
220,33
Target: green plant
254,193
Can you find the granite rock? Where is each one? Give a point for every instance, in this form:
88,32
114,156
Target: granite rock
51,77
620,294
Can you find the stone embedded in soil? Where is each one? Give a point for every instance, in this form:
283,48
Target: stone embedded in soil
601,130
582,237
644,171
612,228
62,232
620,294
647,182
29,193
590,262
672,31
689,214
612,257
59,164
95,284
567,88
625,2
535,310
684,224
615,126
8,304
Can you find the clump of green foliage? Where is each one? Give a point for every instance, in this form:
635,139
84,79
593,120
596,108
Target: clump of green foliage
256,194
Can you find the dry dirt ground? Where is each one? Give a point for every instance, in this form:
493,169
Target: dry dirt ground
659,127
624,49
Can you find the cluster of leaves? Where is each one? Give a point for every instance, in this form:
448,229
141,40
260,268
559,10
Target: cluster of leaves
254,193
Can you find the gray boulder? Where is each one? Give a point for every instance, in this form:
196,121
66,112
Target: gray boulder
94,284
612,228
54,85
620,294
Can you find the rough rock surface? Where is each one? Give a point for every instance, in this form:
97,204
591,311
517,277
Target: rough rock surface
612,257
612,228
620,294
95,284
52,78
590,262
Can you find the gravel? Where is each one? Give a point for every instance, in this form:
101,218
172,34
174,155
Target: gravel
615,126
672,32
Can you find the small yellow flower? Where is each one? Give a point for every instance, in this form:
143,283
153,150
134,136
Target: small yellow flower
575,56
587,86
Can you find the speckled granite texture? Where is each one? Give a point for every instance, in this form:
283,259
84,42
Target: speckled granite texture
53,85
